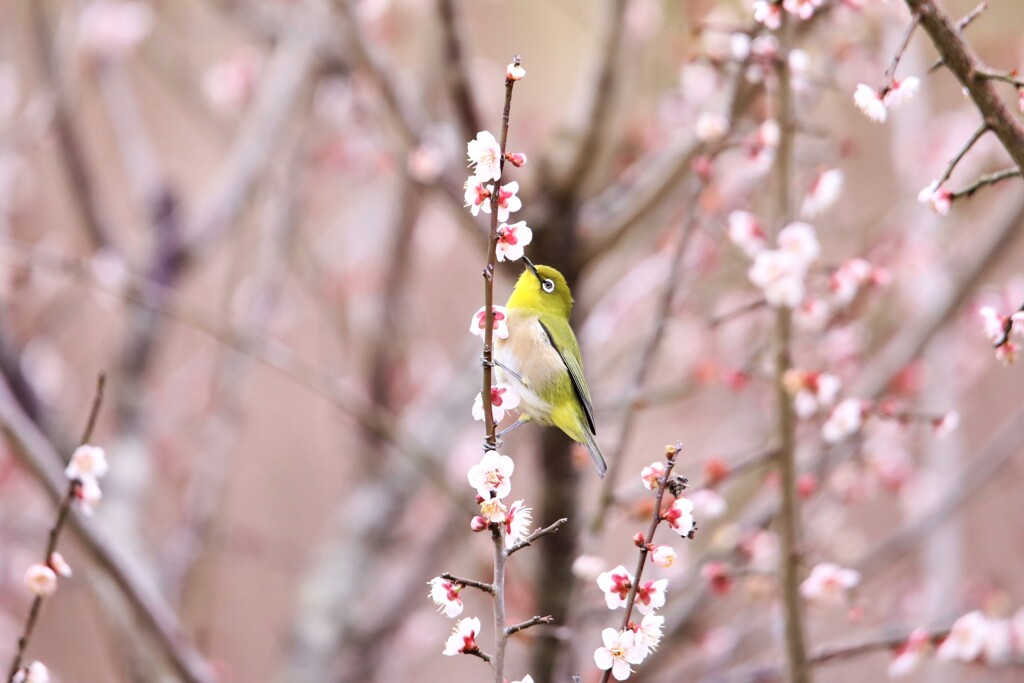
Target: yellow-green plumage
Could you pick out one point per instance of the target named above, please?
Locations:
(542, 350)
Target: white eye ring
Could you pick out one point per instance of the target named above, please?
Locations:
(548, 286)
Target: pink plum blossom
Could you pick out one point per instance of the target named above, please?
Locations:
(938, 198)
(823, 192)
(477, 195)
(829, 584)
(802, 8)
(446, 595)
(512, 238)
(503, 399)
(680, 516)
(768, 13)
(650, 595)
(517, 523)
(745, 232)
(87, 462)
(500, 322)
(463, 637)
(652, 474)
(909, 657)
(901, 92)
(615, 585)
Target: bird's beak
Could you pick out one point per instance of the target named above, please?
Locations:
(533, 268)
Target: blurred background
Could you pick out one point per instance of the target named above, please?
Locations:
(248, 214)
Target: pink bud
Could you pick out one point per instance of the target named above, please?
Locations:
(478, 524)
(638, 539)
(517, 159)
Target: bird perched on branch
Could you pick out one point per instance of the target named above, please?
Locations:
(541, 359)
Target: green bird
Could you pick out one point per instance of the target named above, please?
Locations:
(541, 359)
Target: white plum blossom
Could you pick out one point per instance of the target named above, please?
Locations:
(112, 29)
(59, 564)
(812, 314)
(909, 657)
(845, 420)
(485, 156)
(650, 595)
(780, 274)
(588, 567)
(652, 474)
(708, 504)
(493, 474)
(446, 595)
(811, 390)
(515, 72)
(517, 523)
(463, 637)
(41, 580)
(823, 193)
(938, 198)
(649, 632)
(946, 424)
(966, 639)
(503, 399)
(802, 8)
(868, 101)
(231, 82)
(526, 679)
(36, 672)
(739, 46)
(800, 240)
(499, 324)
(768, 13)
(493, 511)
(901, 92)
(663, 556)
(846, 282)
(999, 642)
(619, 651)
(829, 584)
(711, 127)
(87, 462)
(615, 585)
(745, 232)
(88, 495)
(993, 324)
(680, 516)
(511, 240)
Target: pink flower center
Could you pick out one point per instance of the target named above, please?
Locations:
(620, 585)
(507, 236)
(644, 592)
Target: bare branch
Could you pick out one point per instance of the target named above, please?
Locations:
(532, 621)
(537, 535)
(479, 585)
(985, 181)
(975, 136)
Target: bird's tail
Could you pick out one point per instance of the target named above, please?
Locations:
(595, 453)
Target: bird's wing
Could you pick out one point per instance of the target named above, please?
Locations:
(571, 357)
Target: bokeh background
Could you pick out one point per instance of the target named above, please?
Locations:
(248, 215)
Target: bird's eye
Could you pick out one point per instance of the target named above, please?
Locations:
(548, 285)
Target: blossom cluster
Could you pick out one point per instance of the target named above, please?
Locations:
(781, 273)
(632, 644)
(1001, 330)
(974, 637)
(481, 193)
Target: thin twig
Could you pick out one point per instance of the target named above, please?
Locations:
(532, 621)
(789, 513)
(51, 546)
(740, 310)
(1010, 78)
(537, 535)
(670, 462)
(481, 654)
(985, 181)
(479, 585)
(890, 72)
(975, 136)
(497, 530)
(960, 26)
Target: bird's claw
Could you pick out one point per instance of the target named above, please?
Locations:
(498, 443)
(487, 363)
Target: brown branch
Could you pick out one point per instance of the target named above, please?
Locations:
(532, 621)
(789, 512)
(39, 456)
(601, 90)
(890, 72)
(975, 136)
(964, 64)
(51, 546)
(455, 70)
(479, 585)
(537, 535)
(964, 22)
(985, 181)
(481, 654)
(670, 462)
